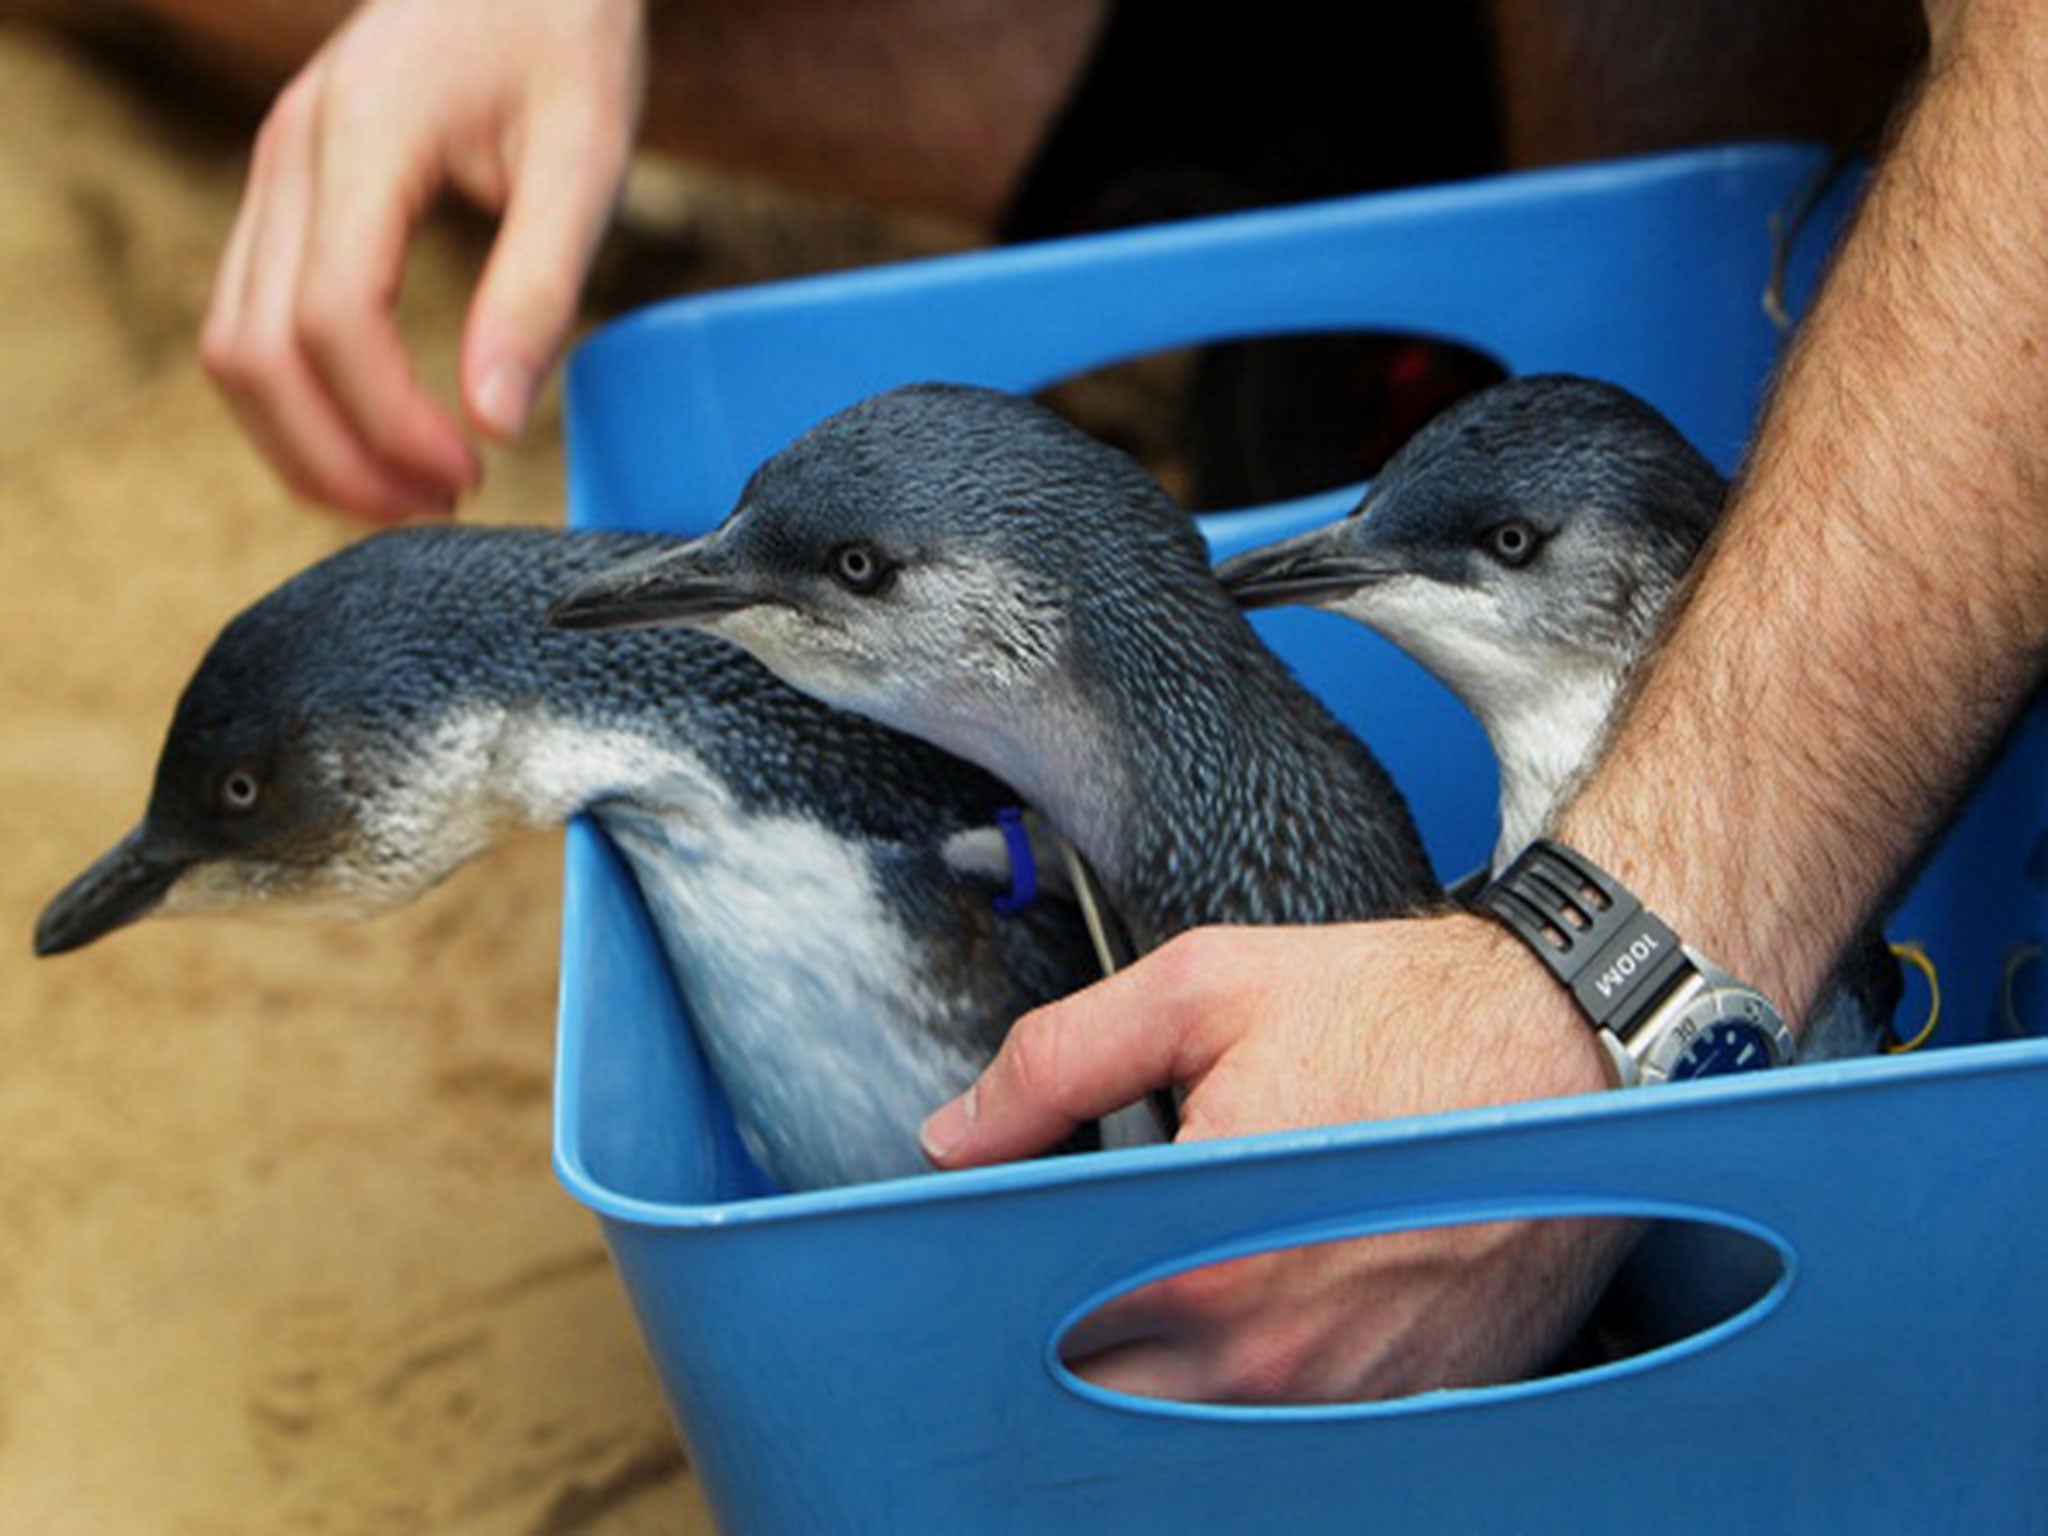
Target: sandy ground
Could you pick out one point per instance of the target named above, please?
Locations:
(280, 1247)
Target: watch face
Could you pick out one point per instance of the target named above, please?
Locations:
(1724, 1046)
(1716, 1029)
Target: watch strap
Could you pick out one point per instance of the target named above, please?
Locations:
(1615, 955)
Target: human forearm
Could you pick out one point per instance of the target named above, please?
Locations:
(1878, 603)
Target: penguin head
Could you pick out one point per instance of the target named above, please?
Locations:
(1534, 528)
(319, 758)
(921, 558)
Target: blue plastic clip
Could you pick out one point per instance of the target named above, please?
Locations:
(1023, 867)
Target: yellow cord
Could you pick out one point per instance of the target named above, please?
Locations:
(1914, 954)
(2016, 960)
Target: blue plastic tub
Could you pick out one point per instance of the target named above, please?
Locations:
(885, 1358)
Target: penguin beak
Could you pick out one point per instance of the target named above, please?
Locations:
(1311, 568)
(128, 882)
(687, 585)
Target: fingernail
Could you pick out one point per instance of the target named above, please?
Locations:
(948, 1125)
(501, 400)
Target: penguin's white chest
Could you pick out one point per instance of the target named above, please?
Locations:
(806, 988)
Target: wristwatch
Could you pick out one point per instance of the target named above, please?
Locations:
(1662, 1010)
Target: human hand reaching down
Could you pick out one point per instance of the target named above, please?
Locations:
(528, 108)
(1283, 1028)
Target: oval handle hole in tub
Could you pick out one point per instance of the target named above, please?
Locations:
(1691, 1280)
(1261, 419)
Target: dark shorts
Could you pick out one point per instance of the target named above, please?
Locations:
(1192, 109)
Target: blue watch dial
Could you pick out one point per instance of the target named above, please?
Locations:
(1722, 1047)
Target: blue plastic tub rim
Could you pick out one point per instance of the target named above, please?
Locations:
(1133, 1163)
(1254, 226)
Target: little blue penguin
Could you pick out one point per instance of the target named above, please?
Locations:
(1524, 546)
(964, 565)
(820, 884)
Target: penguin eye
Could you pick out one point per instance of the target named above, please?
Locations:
(237, 793)
(859, 568)
(1513, 542)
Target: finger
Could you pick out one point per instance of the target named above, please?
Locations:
(1074, 1061)
(230, 345)
(290, 415)
(227, 308)
(272, 389)
(374, 172)
(561, 200)
(297, 432)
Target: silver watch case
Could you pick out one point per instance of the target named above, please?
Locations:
(1687, 1018)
